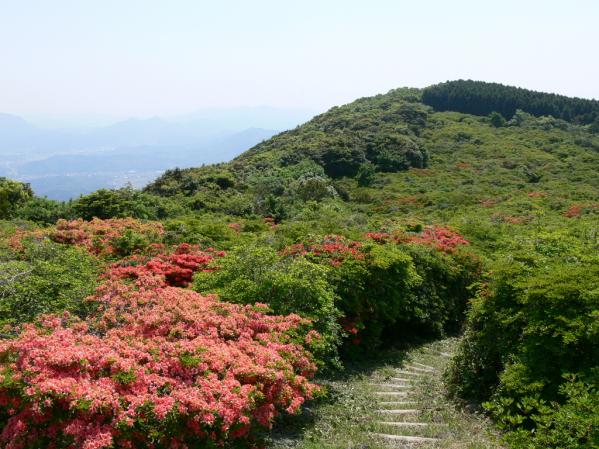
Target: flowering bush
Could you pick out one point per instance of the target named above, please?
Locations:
(489, 202)
(107, 237)
(577, 210)
(175, 269)
(537, 194)
(333, 249)
(440, 237)
(157, 367)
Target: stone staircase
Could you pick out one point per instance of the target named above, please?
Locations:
(403, 417)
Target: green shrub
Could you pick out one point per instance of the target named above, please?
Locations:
(46, 278)
(497, 120)
(43, 211)
(366, 175)
(124, 202)
(376, 292)
(531, 328)
(12, 195)
(256, 273)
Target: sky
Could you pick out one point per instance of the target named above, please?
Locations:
(169, 57)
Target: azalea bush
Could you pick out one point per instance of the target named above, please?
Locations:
(177, 268)
(107, 238)
(440, 237)
(157, 366)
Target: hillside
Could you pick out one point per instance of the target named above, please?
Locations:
(391, 154)
(377, 224)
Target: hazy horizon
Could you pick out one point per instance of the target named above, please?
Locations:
(150, 58)
(90, 121)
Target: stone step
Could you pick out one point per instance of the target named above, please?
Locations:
(406, 411)
(411, 373)
(403, 424)
(405, 438)
(391, 393)
(445, 354)
(400, 379)
(398, 403)
(422, 365)
(392, 386)
(420, 370)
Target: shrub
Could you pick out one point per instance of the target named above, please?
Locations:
(107, 238)
(176, 268)
(532, 326)
(251, 273)
(366, 175)
(375, 291)
(12, 195)
(497, 120)
(124, 202)
(43, 211)
(46, 278)
(406, 285)
(158, 367)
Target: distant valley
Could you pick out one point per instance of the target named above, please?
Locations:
(63, 164)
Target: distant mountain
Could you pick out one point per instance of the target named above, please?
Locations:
(64, 176)
(17, 136)
(64, 163)
(22, 139)
(153, 131)
(13, 125)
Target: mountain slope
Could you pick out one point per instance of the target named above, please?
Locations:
(391, 153)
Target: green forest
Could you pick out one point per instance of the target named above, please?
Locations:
(203, 309)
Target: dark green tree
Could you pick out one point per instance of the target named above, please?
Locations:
(12, 195)
(496, 119)
(366, 175)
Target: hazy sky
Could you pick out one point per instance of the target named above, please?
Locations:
(128, 57)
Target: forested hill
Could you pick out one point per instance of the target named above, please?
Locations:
(481, 98)
(392, 133)
(382, 132)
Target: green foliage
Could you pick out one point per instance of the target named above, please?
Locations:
(366, 175)
(45, 278)
(532, 327)
(496, 119)
(256, 273)
(376, 291)
(43, 211)
(128, 243)
(12, 195)
(212, 230)
(399, 293)
(480, 98)
(124, 202)
(573, 422)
